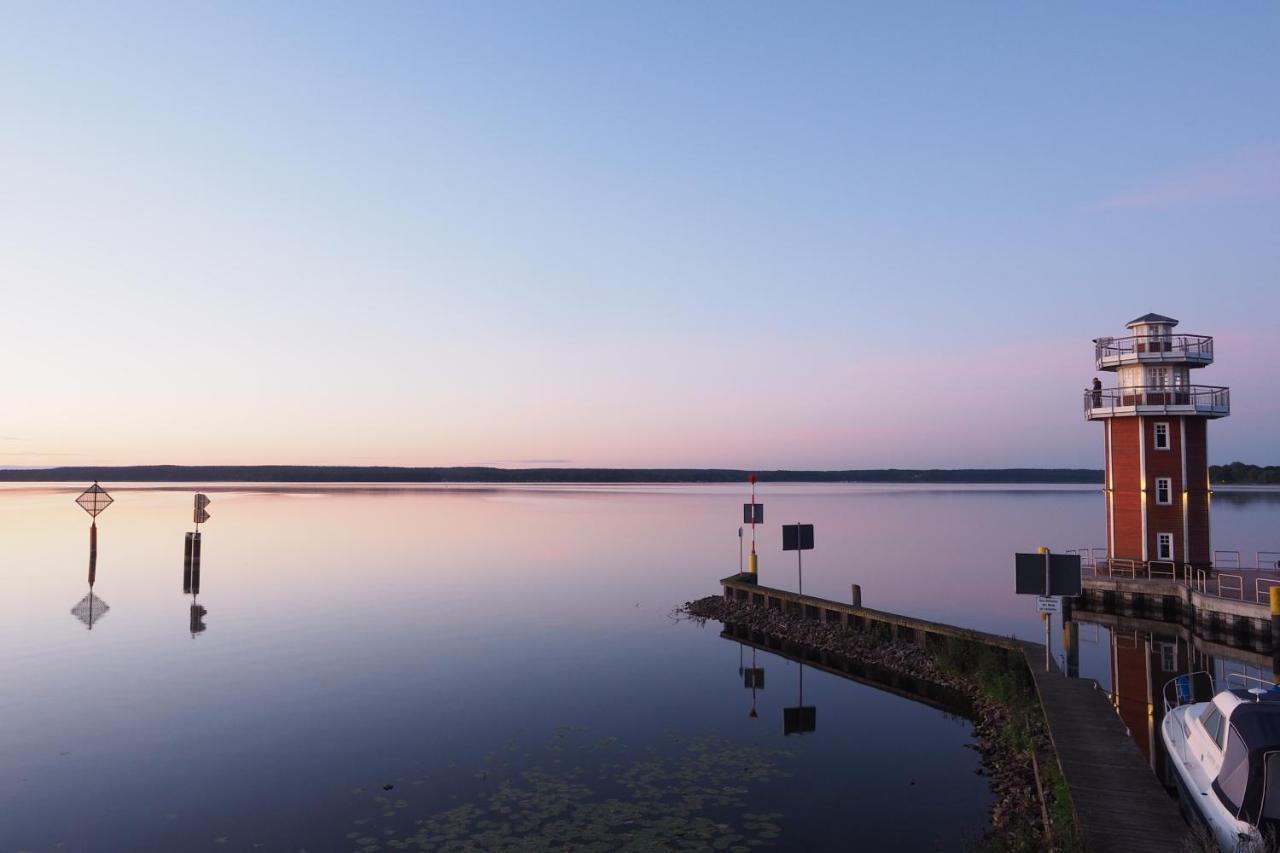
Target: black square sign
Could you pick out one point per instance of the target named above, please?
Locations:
(797, 537)
(753, 513)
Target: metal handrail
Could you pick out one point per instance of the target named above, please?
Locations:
(1206, 398)
(1239, 580)
(1233, 557)
(1192, 347)
(1168, 569)
(1245, 679)
(1120, 564)
(1257, 587)
(1272, 557)
(1187, 695)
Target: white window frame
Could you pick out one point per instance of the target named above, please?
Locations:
(1168, 657)
(1168, 491)
(1163, 554)
(1155, 436)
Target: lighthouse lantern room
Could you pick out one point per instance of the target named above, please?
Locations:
(1155, 429)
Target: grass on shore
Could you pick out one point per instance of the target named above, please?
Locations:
(1001, 677)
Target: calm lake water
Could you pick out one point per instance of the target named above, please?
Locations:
(503, 658)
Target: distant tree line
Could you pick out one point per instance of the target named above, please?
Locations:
(375, 474)
(1245, 475)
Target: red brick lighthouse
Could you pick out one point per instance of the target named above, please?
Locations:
(1155, 426)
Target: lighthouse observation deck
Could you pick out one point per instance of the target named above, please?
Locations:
(1207, 401)
(1187, 350)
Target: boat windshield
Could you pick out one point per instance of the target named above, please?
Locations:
(1271, 796)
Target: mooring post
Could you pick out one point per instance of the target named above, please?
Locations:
(857, 594)
(1275, 633)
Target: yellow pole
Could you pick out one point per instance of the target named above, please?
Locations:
(1275, 634)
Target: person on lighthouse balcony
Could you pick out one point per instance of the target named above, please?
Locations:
(1097, 392)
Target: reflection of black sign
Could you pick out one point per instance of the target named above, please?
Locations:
(799, 720)
(753, 513)
(198, 612)
(1064, 574)
(753, 679)
(797, 537)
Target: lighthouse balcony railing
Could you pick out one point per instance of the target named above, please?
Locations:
(1135, 349)
(1157, 400)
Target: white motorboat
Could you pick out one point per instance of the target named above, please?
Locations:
(1225, 753)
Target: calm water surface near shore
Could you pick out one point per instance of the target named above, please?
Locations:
(503, 658)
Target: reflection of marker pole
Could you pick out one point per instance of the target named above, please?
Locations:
(754, 565)
(753, 715)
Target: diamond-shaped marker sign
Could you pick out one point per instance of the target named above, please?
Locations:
(94, 500)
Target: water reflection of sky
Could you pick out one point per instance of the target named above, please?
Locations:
(356, 637)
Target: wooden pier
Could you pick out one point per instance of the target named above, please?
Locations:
(1119, 804)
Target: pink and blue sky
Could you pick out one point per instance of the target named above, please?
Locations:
(625, 234)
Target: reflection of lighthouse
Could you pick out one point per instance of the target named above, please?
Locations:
(1157, 482)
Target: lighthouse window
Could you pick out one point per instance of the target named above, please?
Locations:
(1164, 490)
(1162, 436)
(1164, 546)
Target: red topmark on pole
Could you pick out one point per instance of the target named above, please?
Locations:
(751, 478)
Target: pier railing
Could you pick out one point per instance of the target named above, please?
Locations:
(1156, 400)
(1109, 352)
(1226, 579)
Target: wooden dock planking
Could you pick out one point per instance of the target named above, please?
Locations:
(1119, 804)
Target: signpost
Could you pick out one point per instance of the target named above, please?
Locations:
(94, 500)
(798, 538)
(1048, 577)
(753, 514)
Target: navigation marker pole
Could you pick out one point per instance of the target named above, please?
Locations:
(754, 565)
(1048, 617)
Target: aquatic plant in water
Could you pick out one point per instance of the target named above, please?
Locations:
(693, 799)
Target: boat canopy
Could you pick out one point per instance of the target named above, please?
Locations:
(1249, 782)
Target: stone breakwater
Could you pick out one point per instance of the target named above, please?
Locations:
(1015, 816)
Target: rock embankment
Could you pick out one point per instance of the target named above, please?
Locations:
(1000, 732)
